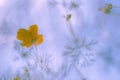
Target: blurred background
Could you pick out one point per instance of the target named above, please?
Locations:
(81, 42)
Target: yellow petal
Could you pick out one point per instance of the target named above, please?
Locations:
(39, 39)
(16, 78)
(26, 44)
(25, 36)
(33, 29)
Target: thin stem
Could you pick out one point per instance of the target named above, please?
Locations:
(72, 32)
(76, 43)
(28, 75)
(78, 71)
(37, 57)
(39, 62)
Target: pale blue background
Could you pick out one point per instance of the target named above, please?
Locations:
(87, 22)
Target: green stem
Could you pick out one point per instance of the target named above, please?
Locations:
(72, 33)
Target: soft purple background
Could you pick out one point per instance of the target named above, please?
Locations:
(87, 22)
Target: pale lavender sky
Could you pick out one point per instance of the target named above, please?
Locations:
(87, 22)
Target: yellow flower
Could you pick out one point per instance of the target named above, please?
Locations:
(16, 78)
(107, 9)
(30, 36)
